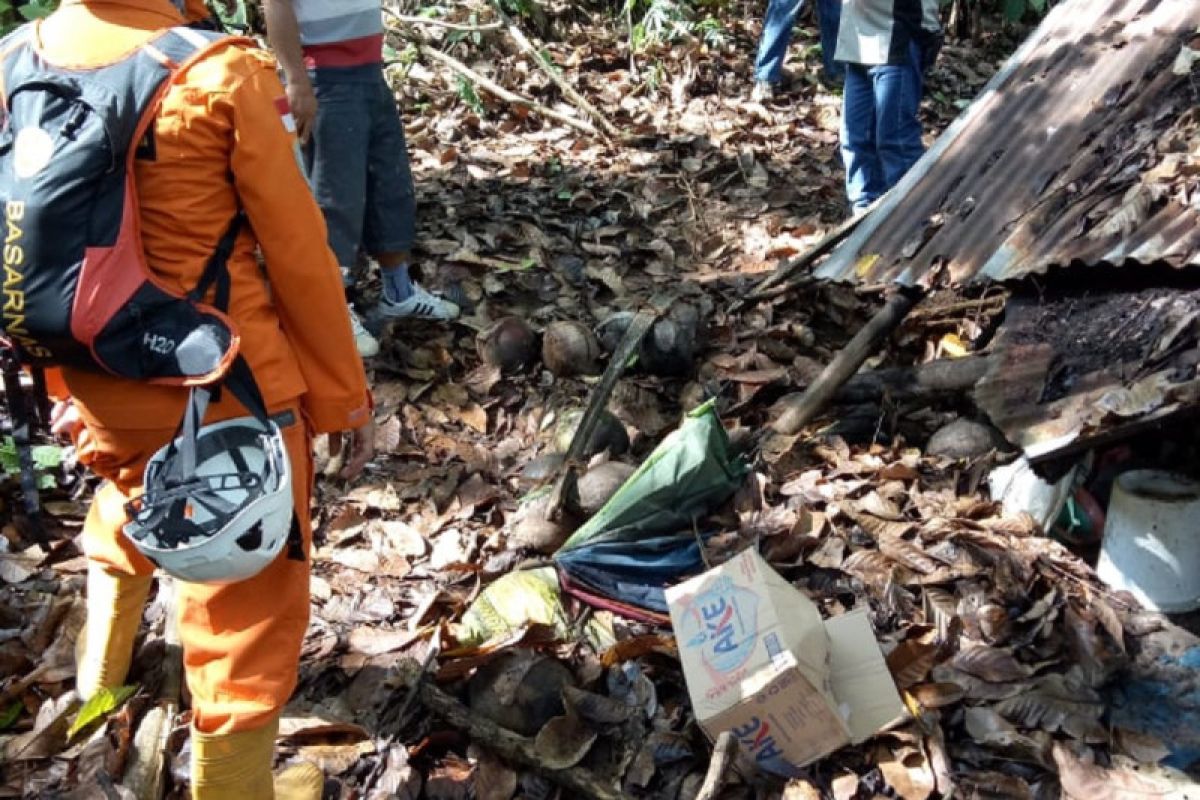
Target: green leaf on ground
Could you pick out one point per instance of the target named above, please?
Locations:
(99, 706)
(10, 715)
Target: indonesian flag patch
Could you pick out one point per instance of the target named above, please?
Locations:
(285, 113)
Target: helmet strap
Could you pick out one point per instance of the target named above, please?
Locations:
(184, 467)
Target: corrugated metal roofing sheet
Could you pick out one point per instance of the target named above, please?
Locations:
(1091, 365)
(1085, 147)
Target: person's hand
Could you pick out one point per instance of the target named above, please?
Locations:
(66, 423)
(303, 103)
(362, 447)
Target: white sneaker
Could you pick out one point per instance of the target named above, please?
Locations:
(419, 305)
(762, 92)
(367, 345)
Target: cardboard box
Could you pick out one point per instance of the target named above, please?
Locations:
(759, 661)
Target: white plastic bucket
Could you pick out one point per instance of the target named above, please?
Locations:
(1152, 540)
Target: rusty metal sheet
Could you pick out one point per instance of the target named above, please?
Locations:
(1084, 149)
(1068, 373)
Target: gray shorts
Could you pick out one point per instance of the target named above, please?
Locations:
(357, 164)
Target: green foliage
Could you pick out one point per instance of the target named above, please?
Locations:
(15, 12)
(467, 94)
(712, 32)
(1011, 11)
(655, 75)
(658, 22)
(519, 8)
(1014, 10)
(101, 704)
(236, 18)
(10, 715)
(474, 37)
(46, 457)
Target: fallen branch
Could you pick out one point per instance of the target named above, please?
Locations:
(782, 278)
(553, 74)
(993, 302)
(427, 665)
(506, 744)
(565, 486)
(724, 753)
(18, 688)
(802, 410)
(926, 381)
(504, 94)
(441, 23)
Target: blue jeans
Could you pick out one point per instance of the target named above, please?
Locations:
(881, 134)
(777, 34)
(357, 164)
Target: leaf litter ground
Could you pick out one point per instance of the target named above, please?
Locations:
(1002, 641)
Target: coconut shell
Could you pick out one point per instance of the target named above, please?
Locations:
(520, 690)
(570, 348)
(531, 530)
(541, 469)
(964, 439)
(609, 434)
(669, 348)
(600, 483)
(611, 331)
(508, 344)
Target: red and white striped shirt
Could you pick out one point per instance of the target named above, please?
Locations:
(340, 33)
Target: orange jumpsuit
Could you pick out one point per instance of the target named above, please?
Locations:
(195, 10)
(221, 144)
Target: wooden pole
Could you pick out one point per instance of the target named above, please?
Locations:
(782, 277)
(514, 30)
(504, 94)
(724, 753)
(565, 488)
(578, 782)
(799, 412)
(926, 381)
(434, 22)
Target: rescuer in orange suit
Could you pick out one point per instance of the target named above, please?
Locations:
(220, 144)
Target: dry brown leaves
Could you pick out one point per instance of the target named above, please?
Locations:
(536, 220)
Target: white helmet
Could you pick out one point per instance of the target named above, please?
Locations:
(217, 506)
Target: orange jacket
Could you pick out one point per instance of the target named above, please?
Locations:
(196, 10)
(221, 142)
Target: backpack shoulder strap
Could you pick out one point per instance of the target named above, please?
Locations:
(10, 46)
(19, 37)
(177, 47)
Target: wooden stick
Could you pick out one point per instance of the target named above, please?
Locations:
(553, 74)
(724, 754)
(504, 94)
(508, 745)
(802, 410)
(941, 377)
(779, 280)
(17, 688)
(427, 665)
(433, 22)
(994, 302)
(565, 487)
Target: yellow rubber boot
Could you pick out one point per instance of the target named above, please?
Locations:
(233, 766)
(104, 649)
(237, 766)
(302, 781)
